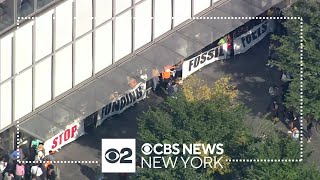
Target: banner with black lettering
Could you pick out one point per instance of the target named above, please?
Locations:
(244, 42)
(194, 64)
(123, 102)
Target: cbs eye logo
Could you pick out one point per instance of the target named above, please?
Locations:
(113, 155)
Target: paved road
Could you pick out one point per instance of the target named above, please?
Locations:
(248, 72)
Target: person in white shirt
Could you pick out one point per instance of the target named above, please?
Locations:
(295, 134)
(3, 165)
(36, 170)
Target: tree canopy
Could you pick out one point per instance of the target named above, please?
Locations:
(288, 55)
(213, 115)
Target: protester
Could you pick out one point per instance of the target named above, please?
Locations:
(3, 165)
(39, 156)
(276, 93)
(51, 173)
(15, 155)
(36, 171)
(309, 126)
(178, 69)
(113, 96)
(8, 176)
(41, 148)
(172, 89)
(155, 78)
(131, 82)
(166, 73)
(143, 75)
(35, 144)
(295, 133)
(292, 116)
(275, 112)
(20, 171)
(271, 53)
(49, 159)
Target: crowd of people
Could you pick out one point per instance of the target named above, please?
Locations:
(279, 111)
(41, 168)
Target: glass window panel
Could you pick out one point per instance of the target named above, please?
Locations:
(83, 16)
(63, 71)
(240, 8)
(138, 66)
(6, 14)
(118, 80)
(200, 32)
(200, 5)
(103, 47)
(23, 52)
(143, 23)
(83, 59)
(182, 11)
(103, 11)
(159, 55)
(64, 24)
(42, 3)
(59, 114)
(41, 127)
(6, 104)
(162, 17)
(81, 102)
(6, 57)
(181, 44)
(100, 92)
(25, 7)
(44, 35)
(43, 82)
(123, 35)
(221, 26)
(122, 5)
(23, 94)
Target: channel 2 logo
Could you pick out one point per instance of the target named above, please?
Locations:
(118, 155)
(113, 155)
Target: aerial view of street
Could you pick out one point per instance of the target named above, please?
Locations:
(150, 89)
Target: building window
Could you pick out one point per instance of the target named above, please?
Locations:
(25, 7)
(6, 14)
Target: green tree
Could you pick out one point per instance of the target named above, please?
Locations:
(213, 115)
(201, 114)
(288, 55)
(277, 147)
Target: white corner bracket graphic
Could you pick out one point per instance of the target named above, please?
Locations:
(19, 19)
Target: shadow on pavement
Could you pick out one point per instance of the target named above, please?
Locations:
(87, 171)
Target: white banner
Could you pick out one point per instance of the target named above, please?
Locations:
(123, 102)
(71, 133)
(244, 42)
(192, 65)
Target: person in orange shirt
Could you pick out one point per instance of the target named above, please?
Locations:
(49, 158)
(166, 73)
(165, 76)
